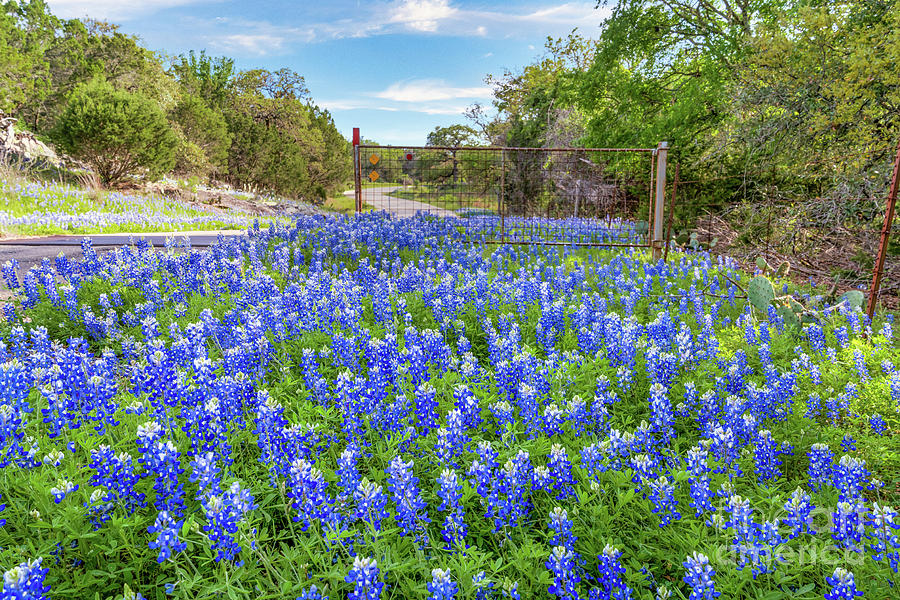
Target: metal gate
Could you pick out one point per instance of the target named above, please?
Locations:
(572, 196)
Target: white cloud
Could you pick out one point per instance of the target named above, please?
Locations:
(428, 17)
(429, 90)
(111, 10)
(256, 44)
(421, 15)
(426, 96)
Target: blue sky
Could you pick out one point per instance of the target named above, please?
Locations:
(394, 68)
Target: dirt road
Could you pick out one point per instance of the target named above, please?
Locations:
(381, 199)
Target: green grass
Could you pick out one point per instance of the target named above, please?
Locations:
(31, 209)
(608, 510)
(345, 205)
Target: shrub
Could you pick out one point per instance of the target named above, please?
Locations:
(118, 133)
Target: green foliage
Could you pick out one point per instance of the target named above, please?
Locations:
(764, 100)
(205, 137)
(118, 133)
(255, 128)
(760, 292)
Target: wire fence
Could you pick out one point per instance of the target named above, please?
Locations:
(831, 241)
(583, 196)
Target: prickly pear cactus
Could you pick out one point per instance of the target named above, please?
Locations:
(854, 298)
(761, 293)
(791, 319)
(762, 264)
(783, 269)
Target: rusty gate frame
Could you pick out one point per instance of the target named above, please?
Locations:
(657, 186)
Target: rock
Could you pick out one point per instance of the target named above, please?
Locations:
(22, 145)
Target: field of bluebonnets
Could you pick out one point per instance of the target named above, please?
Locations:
(41, 208)
(373, 408)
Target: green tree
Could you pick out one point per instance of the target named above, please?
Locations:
(209, 78)
(452, 137)
(118, 133)
(26, 31)
(205, 139)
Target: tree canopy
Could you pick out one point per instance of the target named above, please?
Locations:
(257, 128)
(803, 94)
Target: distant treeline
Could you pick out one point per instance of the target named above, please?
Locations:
(760, 99)
(104, 99)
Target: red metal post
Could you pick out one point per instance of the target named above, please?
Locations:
(357, 180)
(885, 236)
(672, 211)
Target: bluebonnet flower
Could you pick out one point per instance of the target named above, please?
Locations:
(813, 407)
(662, 494)
(205, 473)
(611, 584)
(848, 525)
(511, 590)
(313, 593)
(848, 444)
(699, 575)
(884, 522)
(484, 589)
(309, 491)
(561, 472)
(510, 499)
(799, 510)
(565, 574)
(452, 440)
(878, 425)
(426, 407)
(562, 529)
(766, 452)
(2, 508)
(348, 472)
(698, 469)
(553, 420)
(861, 368)
(850, 477)
(820, 465)
(661, 411)
(642, 465)
(843, 587)
(503, 413)
(746, 542)
(25, 582)
(442, 587)
(63, 488)
(404, 487)
(166, 529)
(450, 492)
(223, 514)
(370, 503)
(363, 576)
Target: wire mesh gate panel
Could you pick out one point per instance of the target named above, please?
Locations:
(588, 196)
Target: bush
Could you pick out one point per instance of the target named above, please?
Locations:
(206, 139)
(118, 133)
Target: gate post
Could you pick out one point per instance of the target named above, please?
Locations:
(878, 271)
(659, 201)
(357, 183)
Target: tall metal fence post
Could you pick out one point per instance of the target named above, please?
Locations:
(357, 180)
(672, 211)
(502, 207)
(885, 236)
(660, 199)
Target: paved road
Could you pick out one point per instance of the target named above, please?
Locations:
(30, 251)
(381, 199)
